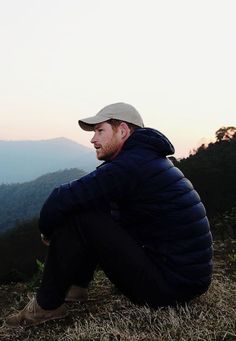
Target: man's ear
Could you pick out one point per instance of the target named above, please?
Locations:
(125, 130)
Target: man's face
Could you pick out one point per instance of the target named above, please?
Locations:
(106, 141)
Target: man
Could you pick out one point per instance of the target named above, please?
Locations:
(136, 216)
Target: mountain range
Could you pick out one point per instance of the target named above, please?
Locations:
(23, 161)
(23, 201)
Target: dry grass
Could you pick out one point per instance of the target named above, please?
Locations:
(108, 316)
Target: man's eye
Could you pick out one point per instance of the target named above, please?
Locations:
(100, 130)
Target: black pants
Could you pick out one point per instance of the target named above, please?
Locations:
(94, 238)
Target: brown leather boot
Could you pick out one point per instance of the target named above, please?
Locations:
(77, 294)
(33, 314)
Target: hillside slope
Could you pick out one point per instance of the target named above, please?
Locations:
(23, 201)
(108, 315)
(212, 171)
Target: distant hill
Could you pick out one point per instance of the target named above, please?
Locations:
(21, 202)
(26, 160)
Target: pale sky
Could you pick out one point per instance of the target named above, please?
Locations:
(62, 60)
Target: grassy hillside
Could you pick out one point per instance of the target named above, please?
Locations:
(109, 316)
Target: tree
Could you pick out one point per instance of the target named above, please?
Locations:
(212, 171)
(225, 133)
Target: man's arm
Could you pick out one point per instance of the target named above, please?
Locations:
(109, 182)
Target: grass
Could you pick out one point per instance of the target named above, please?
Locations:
(109, 316)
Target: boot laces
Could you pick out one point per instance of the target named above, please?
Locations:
(32, 307)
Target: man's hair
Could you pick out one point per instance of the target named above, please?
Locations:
(115, 123)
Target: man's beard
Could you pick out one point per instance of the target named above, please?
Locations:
(108, 151)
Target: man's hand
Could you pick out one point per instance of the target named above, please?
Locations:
(45, 240)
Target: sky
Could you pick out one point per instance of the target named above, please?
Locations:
(63, 60)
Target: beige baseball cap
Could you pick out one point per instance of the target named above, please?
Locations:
(118, 111)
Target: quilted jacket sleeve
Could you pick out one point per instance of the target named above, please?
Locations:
(109, 182)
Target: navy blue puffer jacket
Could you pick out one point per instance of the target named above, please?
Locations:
(153, 201)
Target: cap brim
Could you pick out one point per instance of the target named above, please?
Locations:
(85, 126)
(88, 123)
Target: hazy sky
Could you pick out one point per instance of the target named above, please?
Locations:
(61, 60)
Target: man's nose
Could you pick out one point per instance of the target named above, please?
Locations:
(93, 139)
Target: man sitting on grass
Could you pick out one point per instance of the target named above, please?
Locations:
(136, 216)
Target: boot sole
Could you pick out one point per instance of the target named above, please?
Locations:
(36, 323)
